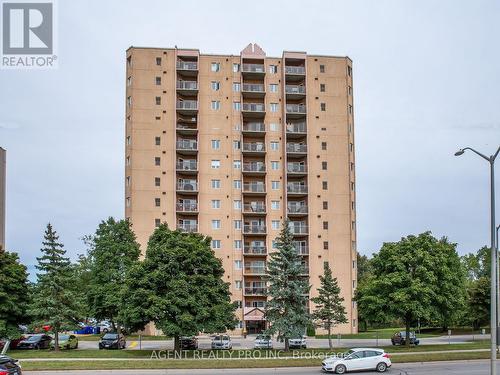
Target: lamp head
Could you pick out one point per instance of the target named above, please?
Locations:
(459, 152)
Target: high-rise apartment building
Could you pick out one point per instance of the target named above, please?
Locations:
(230, 146)
(3, 168)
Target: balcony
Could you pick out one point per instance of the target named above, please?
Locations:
(254, 270)
(304, 269)
(189, 228)
(255, 188)
(296, 149)
(253, 70)
(187, 68)
(254, 229)
(187, 128)
(253, 109)
(295, 91)
(294, 73)
(254, 208)
(254, 148)
(253, 90)
(296, 129)
(254, 168)
(187, 107)
(187, 207)
(295, 110)
(254, 128)
(186, 147)
(297, 209)
(187, 166)
(187, 186)
(296, 188)
(254, 250)
(298, 229)
(301, 248)
(296, 168)
(187, 87)
(255, 291)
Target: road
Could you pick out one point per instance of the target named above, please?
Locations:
(479, 367)
(247, 343)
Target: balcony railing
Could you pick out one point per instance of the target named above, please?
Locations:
(295, 89)
(187, 85)
(187, 104)
(299, 229)
(187, 206)
(297, 208)
(302, 249)
(296, 188)
(186, 127)
(254, 127)
(191, 165)
(255, 291)
(187, 65)
(254, 187)
(296, 168)
(187, 145)
(254, 167)
(296, 147)
(255, 270)
(298, 127)
(254, 250)
(254, 107)
(187, 186)
(253, 87)
(253, 207)
(254, 147)
(253, 68)
(296, 108)
(187, 227)
(295, 70)
(254, 229)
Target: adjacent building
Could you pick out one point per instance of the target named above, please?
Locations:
(230, 146)
(3, 177)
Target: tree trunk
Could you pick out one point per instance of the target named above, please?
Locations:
(177, 344)
(407, 339)
(330, 337)
(287, 345)
(56, 338)
(113, 325)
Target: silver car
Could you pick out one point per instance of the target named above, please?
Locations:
(297, 343)
(221, 342)
(263, 342)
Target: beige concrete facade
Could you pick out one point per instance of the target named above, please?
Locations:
(231, 145)
(3, 177)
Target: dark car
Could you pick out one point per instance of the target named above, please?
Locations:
(399, 338)
(112, 341)
(40, 341)
(188, 343)
(9, 366)
(13, 343)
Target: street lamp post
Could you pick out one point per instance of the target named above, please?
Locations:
(493, 292)
(498, 279)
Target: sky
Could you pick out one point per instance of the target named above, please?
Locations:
(426, 82)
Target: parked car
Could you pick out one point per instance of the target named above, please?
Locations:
(9, 366)
(221, 342)
(358, 359)
(38, 341)
(399, 338)
(189, 343)
(297, 343)
(104, 326)
(66, 342)
(263, 342)
(13, 343)
(112, 341)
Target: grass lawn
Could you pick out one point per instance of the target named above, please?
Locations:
(129, 338)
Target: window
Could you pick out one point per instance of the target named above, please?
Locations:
(158, 61)
(324, 165)
(129, 61)
(158, 100)
(237, 264)
(215, 224)
(127, 181)
(236, 68)
(349, 70)
(275, 165)
(129, 101)
(236, 145)
(325, 185)
(127, 160)
(237, 284)
(215, 184)
(237, 164)
(325, 245)
(353, 205)
(237, 204)
(274, 244)
(157, 141)
(127, 140)
(321, 68)
(351, 147)
(352, 166)
(157, 160)
(323, 146)
(215, 105)
(237, 244)
(274, 107)
(215, 203)
(157, 181)
(349, 90)
(237, 106)
(158, 81)
(323, 107)
(275, 224)
(325, 224)
(127, 202)
(322, 87)
(215, 164)
(215, 244)
(236, 86)
(273, 87)
(350, 109)
(273, 69)
(215, 85)
(274, 146)
(325, 205)
(237, 184)
(275, 185)
(157, 202)
(215, 144)
(129, 81)
(157, 223)
(215, 67)
(237, 127)
(237, 224)
(275, 205)
(352, 186)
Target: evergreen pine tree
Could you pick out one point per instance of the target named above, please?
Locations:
(330, 310)
(53, 300)
(286, 310)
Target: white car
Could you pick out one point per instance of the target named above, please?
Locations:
(358, 359)
(297, 343)
(263, 342)
(221, 342)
